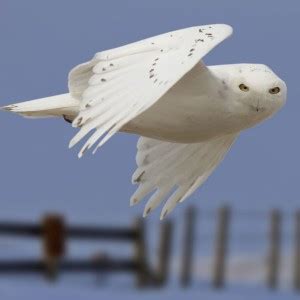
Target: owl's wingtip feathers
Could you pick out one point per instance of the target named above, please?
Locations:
(224, 28)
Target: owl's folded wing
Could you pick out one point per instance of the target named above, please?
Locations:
(119, 84)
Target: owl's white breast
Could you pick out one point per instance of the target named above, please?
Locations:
(194, 110)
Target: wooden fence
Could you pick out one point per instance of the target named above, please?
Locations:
(222, 239)
(54, 234)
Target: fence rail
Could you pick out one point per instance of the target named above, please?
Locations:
(74, 232)
(30, 266)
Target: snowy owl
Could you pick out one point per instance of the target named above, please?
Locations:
(187, 114)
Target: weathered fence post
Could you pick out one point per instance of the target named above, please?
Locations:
(274, 249)
(188, 245)
(140, 254)
(221, 245)
(53, 229)
(297, 252)
(164, 254)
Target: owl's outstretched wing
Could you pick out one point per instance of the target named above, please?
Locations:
(179, 168)
(119, 84)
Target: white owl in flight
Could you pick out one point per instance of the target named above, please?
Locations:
(188, 114)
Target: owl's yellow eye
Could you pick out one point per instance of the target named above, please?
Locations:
(243, 87)
(274, 90)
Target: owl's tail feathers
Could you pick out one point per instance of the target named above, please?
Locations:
(54, 106)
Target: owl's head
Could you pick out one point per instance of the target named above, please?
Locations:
(257, 92)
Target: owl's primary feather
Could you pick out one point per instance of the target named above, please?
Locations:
(164, 166)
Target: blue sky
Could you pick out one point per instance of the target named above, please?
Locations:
(42, 40)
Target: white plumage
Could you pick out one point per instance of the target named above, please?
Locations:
(188, 114)
(163, 166)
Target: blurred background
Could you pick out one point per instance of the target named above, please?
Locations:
(254, 192)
